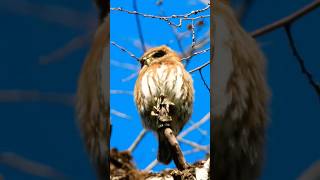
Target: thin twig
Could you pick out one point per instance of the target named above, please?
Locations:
(125, 65)
(141, 135)
(151, 165)
(32, 95)
(302, 65)
(168, 18)
(74, 44)
(125, 50)
(196, 53)
(192, 151)
(199, 67)
(193, 35)
(201, 131)
(112, 91)
(195, 126)
(287, 20)
(120, 114)
(130, 77)
(194, 144)
(31, 167)
(203, 80)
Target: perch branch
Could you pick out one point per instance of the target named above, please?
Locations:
(178, 157)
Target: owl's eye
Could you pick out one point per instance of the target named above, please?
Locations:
(159, 54)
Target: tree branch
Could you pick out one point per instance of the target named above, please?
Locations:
(287, 20)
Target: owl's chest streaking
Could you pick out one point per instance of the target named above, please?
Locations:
(170, 79)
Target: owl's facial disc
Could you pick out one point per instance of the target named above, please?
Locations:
(146, 60)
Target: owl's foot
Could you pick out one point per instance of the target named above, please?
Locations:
(161, 110)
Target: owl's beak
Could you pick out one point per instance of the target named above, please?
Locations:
(144, 61)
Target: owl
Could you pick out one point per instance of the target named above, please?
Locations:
(163, 77)
(240, 99)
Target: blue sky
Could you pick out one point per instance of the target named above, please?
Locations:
(47, 132)
(156, 32)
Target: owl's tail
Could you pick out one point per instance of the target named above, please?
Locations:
(164, 149)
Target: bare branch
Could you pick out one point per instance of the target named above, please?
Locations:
(24, 95)
(125, 50)
(203, 80)
(133, 75)
(151, 165)
(200, 67)
(139, 26)
(120, 114)
(201, 131)
(138, 140)
(125, 65)
(195, 126)
(50, 13)
(287, 20)
(302, 65)
(196, 53)
(168, 19)
(73, 45)
(31, 167)
(112, 91)
(194, 144)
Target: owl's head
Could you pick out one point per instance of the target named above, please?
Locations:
(158, 54)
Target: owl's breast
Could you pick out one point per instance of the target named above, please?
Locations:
(168, 79)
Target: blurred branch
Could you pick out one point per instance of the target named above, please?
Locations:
(120, 114)
(23, 95)
(125, 65)
(50, 13)
(112, 91)
(195, 126)
(139, 26)
(31, 167)
(73, 45)
(194, 144)
(201, 131)
(151, 165)
(286, 20)
(131, 76)
(141, 135)
(302, 65)
(312, 173)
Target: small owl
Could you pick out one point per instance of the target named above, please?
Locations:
(163, 77)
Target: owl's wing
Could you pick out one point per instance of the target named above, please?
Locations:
(92, 101)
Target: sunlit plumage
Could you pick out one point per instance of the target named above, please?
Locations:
(162, 73)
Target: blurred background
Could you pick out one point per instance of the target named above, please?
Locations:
(43, 45)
